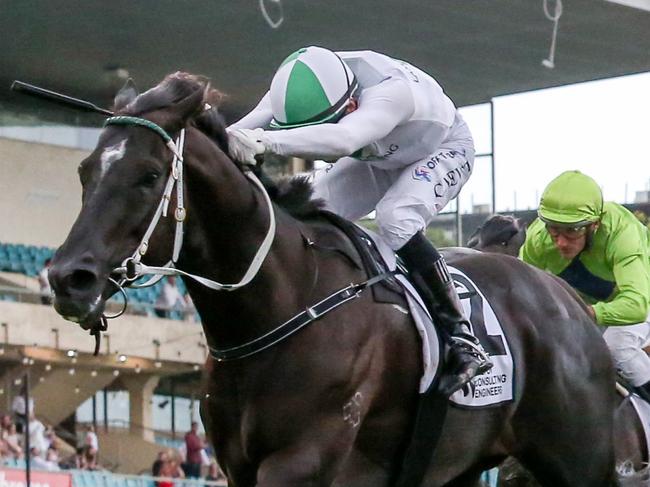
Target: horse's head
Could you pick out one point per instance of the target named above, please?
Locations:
(123, 181)
(501, 234)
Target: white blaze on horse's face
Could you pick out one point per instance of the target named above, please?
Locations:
(111, 154)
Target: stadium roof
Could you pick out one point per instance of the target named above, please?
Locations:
(477, 49)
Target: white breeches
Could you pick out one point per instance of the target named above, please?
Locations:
(406, 199)
(626, 345)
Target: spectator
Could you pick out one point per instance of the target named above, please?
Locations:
(18, 409)
(90, 440)
(50, 436)
(52, 455)
(77, 461)
(37, 435)
(44, 283)
(189, 311)
(193, 446)
(169, 298)
(90, 459)
(5, 422)
(4, 449)
(214, 472)
(12, 441)
(156, 468)
(40, 463)
(168, 468)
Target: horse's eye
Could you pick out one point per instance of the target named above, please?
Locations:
(149, 179)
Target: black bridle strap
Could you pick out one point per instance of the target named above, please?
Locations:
(299, 321)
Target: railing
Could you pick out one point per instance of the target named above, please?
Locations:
(18, 294)
(88, 478)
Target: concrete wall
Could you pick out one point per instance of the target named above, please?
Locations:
(31, 325)
(40, 194)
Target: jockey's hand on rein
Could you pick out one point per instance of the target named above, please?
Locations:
(245, 144)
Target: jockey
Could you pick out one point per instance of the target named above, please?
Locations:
(603, 252)
(396, 144)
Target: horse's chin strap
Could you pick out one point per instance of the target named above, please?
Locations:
(132, 268)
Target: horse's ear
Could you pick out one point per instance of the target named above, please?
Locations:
(126, 95)
(193, 103)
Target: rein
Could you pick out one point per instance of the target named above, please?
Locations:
(132, 267)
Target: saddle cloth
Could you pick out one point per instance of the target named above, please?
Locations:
(490, 389)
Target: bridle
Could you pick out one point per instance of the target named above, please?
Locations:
(132, 267)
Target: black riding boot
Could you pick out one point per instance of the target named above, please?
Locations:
(643, 391)
(467, 358)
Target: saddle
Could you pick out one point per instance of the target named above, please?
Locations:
(366, 257)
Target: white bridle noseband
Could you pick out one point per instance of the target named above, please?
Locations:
(132, 268)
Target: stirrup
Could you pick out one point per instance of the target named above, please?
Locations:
(476, 350)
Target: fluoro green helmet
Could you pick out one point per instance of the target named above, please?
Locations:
(312, 86)
(572, 199)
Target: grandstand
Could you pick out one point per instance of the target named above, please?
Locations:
(147, 359)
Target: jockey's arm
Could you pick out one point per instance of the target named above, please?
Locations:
(258, 117)
(631, 303)
(381, 108)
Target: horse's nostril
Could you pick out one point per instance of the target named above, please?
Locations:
(82, 279)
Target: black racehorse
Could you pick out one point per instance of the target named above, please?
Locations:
(505, 234)
(501, 234)
(332, 404)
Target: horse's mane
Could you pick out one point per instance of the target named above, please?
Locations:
(294, 194)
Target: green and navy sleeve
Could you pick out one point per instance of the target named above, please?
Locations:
(630, 267)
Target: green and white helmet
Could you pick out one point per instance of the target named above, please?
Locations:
(313, 85)
(572, 199)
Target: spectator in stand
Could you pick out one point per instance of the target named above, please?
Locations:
(169, 298)
(168, 468)
(37, 435)
(90, 459)
(50, 437)
(44, 283)
(193, 447)
(90, 440)
(214, 472)
(39, 463)
(18, 409)
(12, 441)
(162, 457)
(189, 311)
(52, 456)
(77, 461)
(4, 450)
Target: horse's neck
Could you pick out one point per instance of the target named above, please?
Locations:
(224, 231)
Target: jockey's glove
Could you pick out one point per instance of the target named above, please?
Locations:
(245, 144)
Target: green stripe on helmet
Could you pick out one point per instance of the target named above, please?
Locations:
(305, 97)
(293, 56)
